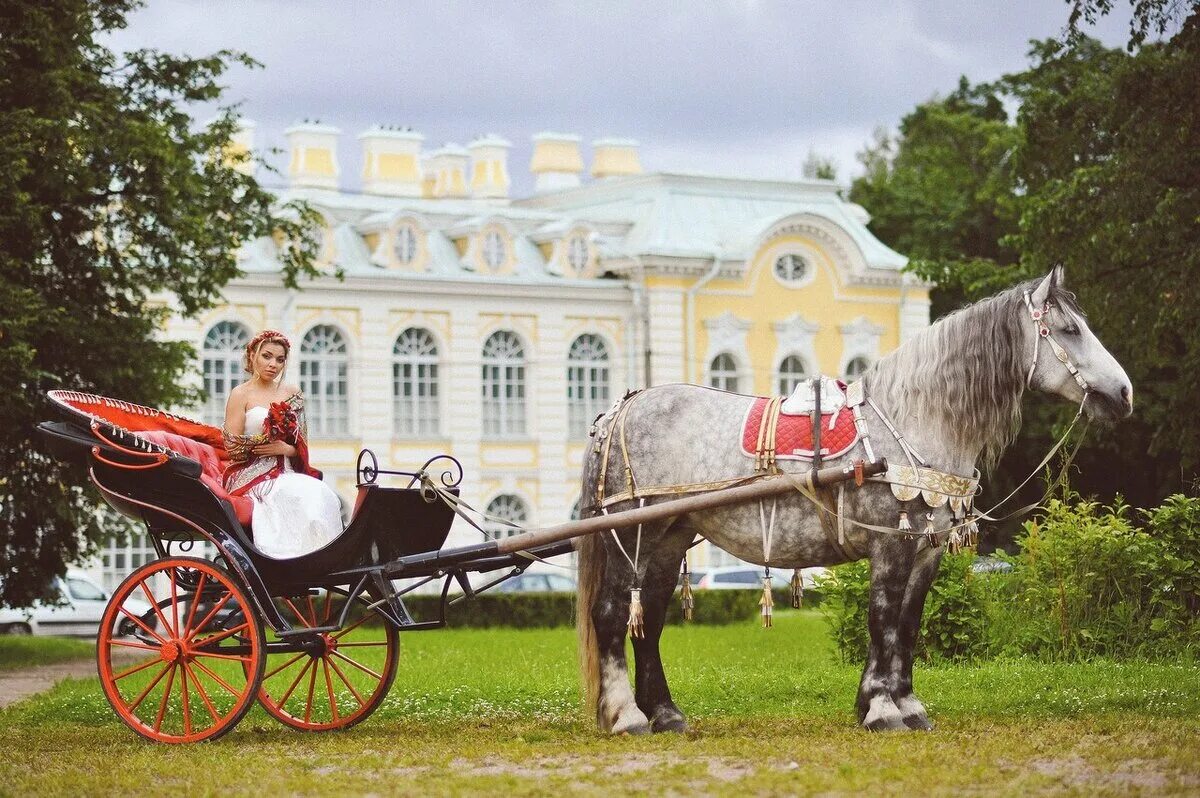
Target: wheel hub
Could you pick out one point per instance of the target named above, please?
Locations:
(174, 651)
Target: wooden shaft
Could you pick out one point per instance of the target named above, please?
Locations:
(763, 488)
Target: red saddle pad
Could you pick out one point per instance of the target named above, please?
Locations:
(793, 435)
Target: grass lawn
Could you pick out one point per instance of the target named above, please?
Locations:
(24, 652)
(496, 712)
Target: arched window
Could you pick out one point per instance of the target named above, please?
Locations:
(791, 372)
(722, 372)
(503, 385)
(415, 384)
(587, 383)
(323, 366)
(221, 358)
(505, 507)
(856, 368)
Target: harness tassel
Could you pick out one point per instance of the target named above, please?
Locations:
(797, 589)
(930, 533)
(905, 527)
(636, 629)
(972, 531)
(685, 594)
(954, 542)
(767, 602)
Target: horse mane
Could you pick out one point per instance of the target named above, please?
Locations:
(965, 373)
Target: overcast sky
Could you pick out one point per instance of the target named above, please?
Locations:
(743, 88)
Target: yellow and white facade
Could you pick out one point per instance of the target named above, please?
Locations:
(494, 328)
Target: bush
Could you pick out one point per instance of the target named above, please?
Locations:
(1087, 581)
(952, 628)
(534, 610)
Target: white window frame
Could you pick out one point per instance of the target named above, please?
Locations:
(786, 381)
(503, 386)
(120, 556)
(858, 372)
(792, 269)
(495, 249)
(406, 244)
(222, 367)
(722, 378)
(510, 507)
(416, 410)
(588, 383)
(579, 253)
(324, 379)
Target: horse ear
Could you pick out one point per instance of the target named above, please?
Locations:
(1046, 286)
(1060, 275)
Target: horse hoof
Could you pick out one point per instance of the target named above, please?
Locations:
(883, 716)
(918, 723)
(631, 729)
(670, 723)
(631, 721)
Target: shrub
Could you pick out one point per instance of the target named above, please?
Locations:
(533, 610)
(952, 628)
(1089, 582)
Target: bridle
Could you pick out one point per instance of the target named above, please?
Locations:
(1038, 315)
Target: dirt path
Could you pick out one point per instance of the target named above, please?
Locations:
(17, 685)
(21, 683)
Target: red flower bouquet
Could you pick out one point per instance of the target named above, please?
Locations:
(281, 423)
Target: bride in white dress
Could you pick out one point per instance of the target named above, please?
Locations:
(295, 512)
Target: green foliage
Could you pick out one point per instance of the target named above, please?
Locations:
(546, 610)
(28, 652)
(113, 197)
(1090, 582)
(953, 627)
(1099, 170)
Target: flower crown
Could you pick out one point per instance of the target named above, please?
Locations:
(266, 336)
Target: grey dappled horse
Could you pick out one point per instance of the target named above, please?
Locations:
(954, 391)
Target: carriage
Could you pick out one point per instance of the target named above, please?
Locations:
(313, 639)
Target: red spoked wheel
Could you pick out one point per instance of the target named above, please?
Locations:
(193, 664)
(329, 680)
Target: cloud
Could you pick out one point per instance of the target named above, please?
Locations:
(738, 86)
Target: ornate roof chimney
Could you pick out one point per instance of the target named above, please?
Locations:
(489, 167)
(615, 158)
(313, 161)
(391, 161)
(556, 162)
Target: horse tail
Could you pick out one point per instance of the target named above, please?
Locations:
(591, 571)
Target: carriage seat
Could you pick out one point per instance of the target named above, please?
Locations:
(211, 469)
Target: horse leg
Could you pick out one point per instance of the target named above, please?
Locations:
(658, 585)
(617, 710)
(891, 564)
(923, 572)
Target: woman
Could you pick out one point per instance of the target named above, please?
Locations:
(265, 436)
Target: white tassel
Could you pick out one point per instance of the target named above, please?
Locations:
(767, 602)
(797, 589)
(636, 629)
(686, 600)
(930, 533)
(905, 527)
(954, 542)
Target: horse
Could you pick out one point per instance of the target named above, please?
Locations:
(953, 396)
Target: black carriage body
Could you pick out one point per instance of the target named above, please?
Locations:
(164, 490)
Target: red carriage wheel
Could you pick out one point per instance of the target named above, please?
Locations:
(192, 665)
(329, 680)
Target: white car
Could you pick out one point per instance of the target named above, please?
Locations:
(743, 577)
(79, 616)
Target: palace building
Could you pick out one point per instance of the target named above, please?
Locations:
(495, 328)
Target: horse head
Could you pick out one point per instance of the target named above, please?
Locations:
(1068, 358)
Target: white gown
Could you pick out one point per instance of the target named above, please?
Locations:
(294, 514)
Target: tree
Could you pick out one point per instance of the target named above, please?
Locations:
(1099, 171)
(111, 195)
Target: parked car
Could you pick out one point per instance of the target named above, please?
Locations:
(743, 577)
(78, 616)
(538, 583)
(990, 565)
